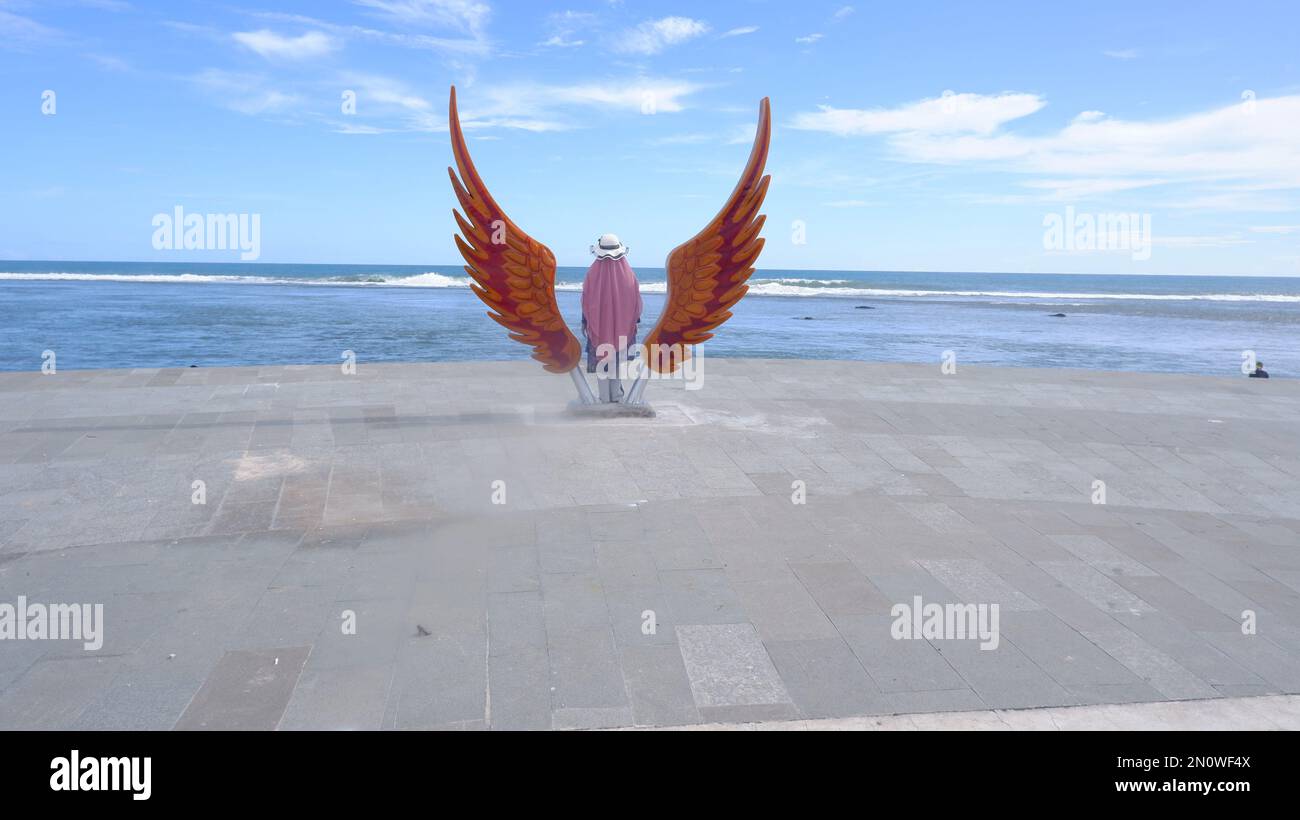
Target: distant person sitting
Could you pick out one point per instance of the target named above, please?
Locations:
(1260, 372)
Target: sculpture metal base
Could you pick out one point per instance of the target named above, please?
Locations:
(611, 410)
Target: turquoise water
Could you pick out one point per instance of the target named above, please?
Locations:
(119, 314)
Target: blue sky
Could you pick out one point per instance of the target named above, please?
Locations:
(908, 136)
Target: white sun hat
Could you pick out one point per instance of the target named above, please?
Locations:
(608, 247)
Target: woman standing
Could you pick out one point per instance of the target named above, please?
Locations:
(611, 311)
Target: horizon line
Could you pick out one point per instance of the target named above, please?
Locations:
(757, 270)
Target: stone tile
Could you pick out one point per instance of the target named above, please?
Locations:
(840, 588)
(371, 493)
(52, 694)
(439, 681)
(896, 665)
(519, 689)
(1190, 649)
(1095, 552)
(585, 671)
(824, 677)
(348, 698)
(1096, 588)
(972, 582)
(1261, 656)
(782, 610)
(248, 690)
(1161, 672)
(727, 665)
(1062, 652)
(658, 686)
(701, 597)
(1002, 676)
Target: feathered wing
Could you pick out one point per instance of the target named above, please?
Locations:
(513, 273)
(706, 276)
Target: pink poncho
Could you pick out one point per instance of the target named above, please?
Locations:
(611, 303)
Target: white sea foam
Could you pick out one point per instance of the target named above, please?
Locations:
(787, 286)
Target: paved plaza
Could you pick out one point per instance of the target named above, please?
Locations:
(442, 546)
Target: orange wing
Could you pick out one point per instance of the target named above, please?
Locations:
(513, 273)
(706, 276)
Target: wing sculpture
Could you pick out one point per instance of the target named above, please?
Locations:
(706, 276)
(513, 273)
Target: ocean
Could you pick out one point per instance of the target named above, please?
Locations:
(148, 314)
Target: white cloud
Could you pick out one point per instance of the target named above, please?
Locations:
(949, 114)
(653, 36)
(359, 128)
(629, 95)
(736, 32)
(467, 15)
(274, 46)
(1122, 54)
(844, 11)
(1240, 157)
(109, 62)
(739, 135)
(17, 32)
(1068, 190)
(808, 39)
(475, 46)
(558, 41)
(245, 93)
(541, 107)
(384, 92)
(567, 28)
(1229, 143)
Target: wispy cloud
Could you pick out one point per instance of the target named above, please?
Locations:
(737, 32)
(245, 93)
(109, 62)
(842, 12)
(475, 45)
(470, 16)
(809, 39)
(1237, 157)
(949, 114)
(740, 135)
(1122, 54)
(384, 92)
(20, 33)
(278, 47)
(567, 29)
(388, 106)
(1069, 190)
(653, 36)
(536, 106)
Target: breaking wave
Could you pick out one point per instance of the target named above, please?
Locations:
(785, 286)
